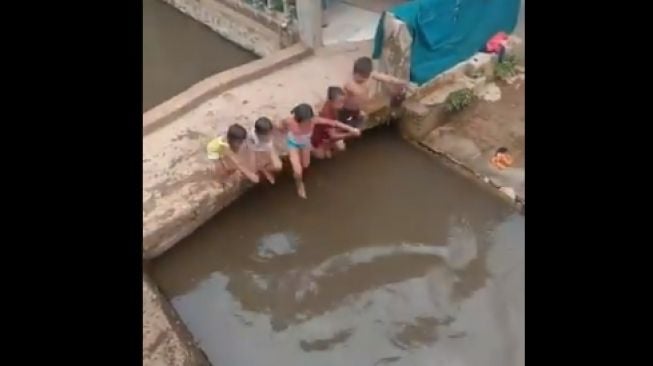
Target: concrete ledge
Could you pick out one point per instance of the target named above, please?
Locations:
(180, 192)
(426, 127)
(271, 19)
(188, 217)
(201, 200)
(210, 87)
(425, 115)
(486, 184)
(165, 339)
(231, 24)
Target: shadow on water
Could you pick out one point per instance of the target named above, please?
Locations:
(179, 52)
(393, 259)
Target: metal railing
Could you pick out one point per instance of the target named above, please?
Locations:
(286, 7)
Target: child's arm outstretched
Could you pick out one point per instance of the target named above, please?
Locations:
(282, 125)
(242, 168)
(337, 124)
(385, 78)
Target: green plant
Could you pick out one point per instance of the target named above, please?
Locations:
(506, 68)
(459, 100)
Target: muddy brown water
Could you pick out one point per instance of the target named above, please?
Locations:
(393, 260)
(179, 52)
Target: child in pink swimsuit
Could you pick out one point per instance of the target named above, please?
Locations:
(299, 129)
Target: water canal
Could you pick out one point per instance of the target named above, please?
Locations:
(179, 52)
(394, 259)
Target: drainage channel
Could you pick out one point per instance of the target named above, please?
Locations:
(179, 52)
(393, 259)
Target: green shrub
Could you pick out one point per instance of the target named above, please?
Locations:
(459, 99)
(506, 68)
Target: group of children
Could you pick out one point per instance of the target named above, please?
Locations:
(305, 133)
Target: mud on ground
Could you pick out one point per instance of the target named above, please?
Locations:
(472, 135)
(494, 124)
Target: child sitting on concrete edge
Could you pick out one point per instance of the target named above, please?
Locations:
(229, 154)
(299, 130)
(328, 139)
(266, 159)
(357, 91)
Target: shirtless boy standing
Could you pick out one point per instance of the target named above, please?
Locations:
(357, 91)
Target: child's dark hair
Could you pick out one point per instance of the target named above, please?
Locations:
(502, 150)
(333, 92)
(363, 67)
(303, 112)
(263, 126)
(236, 133)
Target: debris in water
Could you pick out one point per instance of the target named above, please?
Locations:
(277, 244)
(509, 192)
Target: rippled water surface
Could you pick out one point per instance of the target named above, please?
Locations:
(392, 260)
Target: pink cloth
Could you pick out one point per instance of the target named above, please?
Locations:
(494, 44)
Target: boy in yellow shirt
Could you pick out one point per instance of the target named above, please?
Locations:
(228, 153)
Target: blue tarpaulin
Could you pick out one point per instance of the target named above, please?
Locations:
(446, 32)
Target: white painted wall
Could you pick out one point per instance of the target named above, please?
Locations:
(519, 29)
(309, 22)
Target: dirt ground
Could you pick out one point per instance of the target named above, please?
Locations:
(473, 135)
(494, 124)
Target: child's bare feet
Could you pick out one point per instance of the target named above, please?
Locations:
(268, 176)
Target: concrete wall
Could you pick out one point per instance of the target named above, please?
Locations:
(270, 18)
(309, 22)
(166, 341)
(183, 102)
(521, 31)
(232, 25)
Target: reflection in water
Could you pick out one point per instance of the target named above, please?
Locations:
(374, 269)
(277, 244)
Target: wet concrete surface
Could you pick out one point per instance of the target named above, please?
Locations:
(393, 260)
(179, 52)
